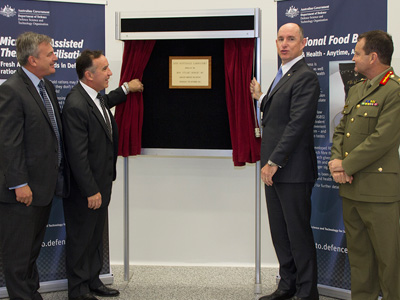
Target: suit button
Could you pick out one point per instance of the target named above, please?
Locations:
(358, 106)
(380, 169)
(352, 120)
(365, 114)
(348, 134)
(346, 153)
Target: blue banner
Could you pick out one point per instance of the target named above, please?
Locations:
(331, 29)
(73, 28)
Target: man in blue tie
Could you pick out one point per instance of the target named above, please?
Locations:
(289, 165)
(31, 162)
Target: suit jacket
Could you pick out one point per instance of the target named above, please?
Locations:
(367, 140)
(92, 155)
(29, 146)
(288, 118)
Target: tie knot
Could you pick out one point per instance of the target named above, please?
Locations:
(41, 84)
(100, 97)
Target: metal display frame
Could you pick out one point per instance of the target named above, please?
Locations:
(215, 34)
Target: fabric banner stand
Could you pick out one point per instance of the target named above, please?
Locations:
(54, 20)
(332, 29)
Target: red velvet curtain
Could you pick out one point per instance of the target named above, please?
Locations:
(238, 73)
(129, 115)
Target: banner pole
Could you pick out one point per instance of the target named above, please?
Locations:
(126, 219)
(257, 284)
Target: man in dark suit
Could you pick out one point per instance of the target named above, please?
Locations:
(289, 165)
(31, 162)
(91, 138)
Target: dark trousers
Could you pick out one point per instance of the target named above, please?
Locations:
(22, 230)
(84, 245)
(289, 213)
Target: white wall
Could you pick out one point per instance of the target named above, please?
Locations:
(186, 211)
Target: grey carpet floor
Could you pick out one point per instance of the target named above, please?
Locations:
(187, 283)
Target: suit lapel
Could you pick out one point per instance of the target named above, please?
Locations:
(281, 82)
(38, 99)
(285, 78)
(96, 111)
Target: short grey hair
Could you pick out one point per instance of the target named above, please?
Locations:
(27, 45)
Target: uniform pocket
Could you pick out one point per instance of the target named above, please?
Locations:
(379, 184)
(366, 119)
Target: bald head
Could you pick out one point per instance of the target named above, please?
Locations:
(290, 42)
(294, 27)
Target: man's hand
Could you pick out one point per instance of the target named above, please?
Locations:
(135, 86)
(24, 195)
(342, 177)
(335, 165)
(338, 173)
(255, 89)
(267, 172)
(94, 202)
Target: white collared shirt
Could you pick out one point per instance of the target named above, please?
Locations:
(93, 95)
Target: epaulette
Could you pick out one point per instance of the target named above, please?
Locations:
(362, 80)
(395, 78)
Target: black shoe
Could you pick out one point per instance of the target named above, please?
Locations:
(83, 297)
(37, 296)
(300, 298)
(278, 295)
(105, 291)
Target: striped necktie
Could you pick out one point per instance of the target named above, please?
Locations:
(52, 117)
(105, 114)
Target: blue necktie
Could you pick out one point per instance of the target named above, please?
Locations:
(276, 80)
(50, 112)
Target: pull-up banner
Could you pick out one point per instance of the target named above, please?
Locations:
(73, 28)
(331, 29)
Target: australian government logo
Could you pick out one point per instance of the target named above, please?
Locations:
(7, 11)
(292, 12)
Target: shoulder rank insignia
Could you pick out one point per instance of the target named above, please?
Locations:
(369, 103)
(386, 78)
